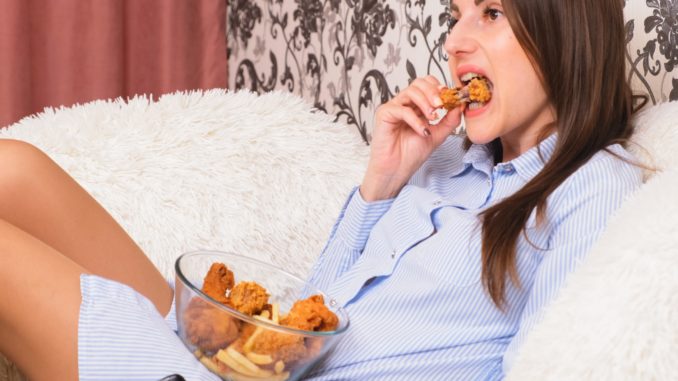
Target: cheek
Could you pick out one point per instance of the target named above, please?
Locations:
(518, 81)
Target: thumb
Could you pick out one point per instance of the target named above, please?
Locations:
(446, 125)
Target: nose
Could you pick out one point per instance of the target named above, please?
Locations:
(460, 40)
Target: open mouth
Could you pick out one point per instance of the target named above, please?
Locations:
(477, 89)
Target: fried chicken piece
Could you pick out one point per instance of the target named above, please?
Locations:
(478, 90)
(249, 298)
(314, 345)
(246, 330)
(451, 98)
(208, 327)
(280, 346)
(311, 314)
(217, 282)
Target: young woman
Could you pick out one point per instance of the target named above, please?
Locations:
(445, 256)
(450, 249)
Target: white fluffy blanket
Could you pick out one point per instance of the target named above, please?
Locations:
(263, 176)
(617, 317)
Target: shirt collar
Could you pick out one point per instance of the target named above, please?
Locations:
(527, 165)
(533, 160)
(480, 157)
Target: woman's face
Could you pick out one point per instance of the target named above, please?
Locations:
(483, 43)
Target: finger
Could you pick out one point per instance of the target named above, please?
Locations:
(446, 125)
(408, 115)
(418, 98)
(432, 80)
(431, 87)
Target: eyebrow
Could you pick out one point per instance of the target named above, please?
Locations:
(455, 8)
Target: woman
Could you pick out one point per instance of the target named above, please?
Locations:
(449, 250)
(445, 256)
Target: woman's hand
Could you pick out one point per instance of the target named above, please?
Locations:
(403, 137)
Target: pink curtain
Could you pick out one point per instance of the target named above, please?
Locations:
(63, 52)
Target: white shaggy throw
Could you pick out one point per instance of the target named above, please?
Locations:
(263, 176)
(617, 317)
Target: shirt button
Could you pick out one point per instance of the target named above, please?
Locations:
(393, 254)
(437, 202)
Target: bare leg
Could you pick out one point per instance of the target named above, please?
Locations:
(38, 197)
(39, 306)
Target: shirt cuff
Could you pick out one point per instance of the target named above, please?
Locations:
(358, 219)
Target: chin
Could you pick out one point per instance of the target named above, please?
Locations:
(479, 135)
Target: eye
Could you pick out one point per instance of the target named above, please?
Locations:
(492, 13)
(451, 22)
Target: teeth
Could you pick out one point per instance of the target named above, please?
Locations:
(469, 76)
(475, 105)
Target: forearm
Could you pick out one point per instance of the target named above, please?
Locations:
(348, 237)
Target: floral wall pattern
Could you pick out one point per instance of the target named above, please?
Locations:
(347, 57)
(652, 48)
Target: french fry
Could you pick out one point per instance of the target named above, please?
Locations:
(239, 377)
(275, 313)
(228, 360)
(279, 366)
(237, 356)
(209, 364)
(250, 340)
(241, 364)
(266, 319)
(259, 359)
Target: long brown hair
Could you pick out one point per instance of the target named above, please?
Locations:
(577, 47)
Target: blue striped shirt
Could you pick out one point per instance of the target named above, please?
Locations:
(408, 269)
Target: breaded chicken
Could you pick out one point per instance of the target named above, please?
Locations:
(311, 314)
(249, 298)
(208, 327)
(280, 346)
(451, 98)
(217, 282)
(477, 90)
(212, 329)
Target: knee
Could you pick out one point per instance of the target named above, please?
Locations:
(20, 164)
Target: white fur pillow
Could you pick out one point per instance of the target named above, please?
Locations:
(258, 175)
(617, 317)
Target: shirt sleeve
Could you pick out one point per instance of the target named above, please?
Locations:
(348, 238)
(593, 195)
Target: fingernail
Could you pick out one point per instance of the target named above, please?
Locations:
(437, 102)
(427, 132)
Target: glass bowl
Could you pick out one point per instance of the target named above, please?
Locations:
(237, 346)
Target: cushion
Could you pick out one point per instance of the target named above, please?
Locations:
(616, 317)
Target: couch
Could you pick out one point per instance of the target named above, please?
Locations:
(265, 175)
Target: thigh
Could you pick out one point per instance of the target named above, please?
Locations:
(37, 196)
(39, 306)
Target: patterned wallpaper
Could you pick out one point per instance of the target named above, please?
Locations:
(346, 57)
